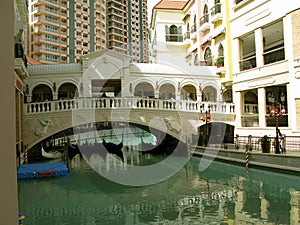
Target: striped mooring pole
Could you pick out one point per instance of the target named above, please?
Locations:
(247, 155)
(189, 150)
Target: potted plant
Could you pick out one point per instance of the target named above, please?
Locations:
(247, 65)
(265, 143)
(219, 61)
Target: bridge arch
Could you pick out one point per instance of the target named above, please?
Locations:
(71, 128)
(47, 118)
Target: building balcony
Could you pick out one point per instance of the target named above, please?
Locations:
(20, 66)
(194, 31)
(248, 63)
(204, 23)
(174, 38)
(220, 70)
(216, 13)
(266, 72)
(187, 39)
(20, 61)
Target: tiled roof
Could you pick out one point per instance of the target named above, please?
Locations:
(171, 4)
(32, 61)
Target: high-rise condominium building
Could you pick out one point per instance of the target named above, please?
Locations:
(127, 30)
(61, 31)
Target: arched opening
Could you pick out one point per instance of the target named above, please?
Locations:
(209, 93)
(173, 33)
(167, 91)
(250, 98)
(67, 91)
(188, 92)
(227, 96)
(221, 51)
(206, 14)
(144, 89)
(250, 107)
(207, 57)
(42, 92)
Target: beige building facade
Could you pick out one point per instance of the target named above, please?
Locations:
(265, 67)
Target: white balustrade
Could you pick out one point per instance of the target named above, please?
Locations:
(251, 108)
(128, 103)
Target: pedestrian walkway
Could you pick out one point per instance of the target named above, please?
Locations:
(286, 162)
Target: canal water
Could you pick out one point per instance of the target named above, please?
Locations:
(220, 194)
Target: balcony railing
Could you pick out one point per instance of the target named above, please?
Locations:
(216, 9)
(193, 28)
(248, 63)
(204, 19)
(19, 53)
(186, 36)
(174, 37)
(274, 55)
(250, 108)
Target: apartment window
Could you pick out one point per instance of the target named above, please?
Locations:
(173, 33)
(51, 58)
(51, 28)
(51, 19)
(273, 42)
(51, 9)
(50, 38)
(248, 52)
(51, 48)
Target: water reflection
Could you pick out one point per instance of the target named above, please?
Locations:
(222, 194)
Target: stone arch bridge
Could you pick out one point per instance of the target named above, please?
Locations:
(180, 119)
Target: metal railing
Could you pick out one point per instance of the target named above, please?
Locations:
(287, 144)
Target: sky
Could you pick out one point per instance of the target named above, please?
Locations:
(150, 5)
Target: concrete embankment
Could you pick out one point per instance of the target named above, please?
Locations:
(288, 162)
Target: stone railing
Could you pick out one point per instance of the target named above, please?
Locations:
(127, 103)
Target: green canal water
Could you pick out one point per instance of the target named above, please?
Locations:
(220, 194)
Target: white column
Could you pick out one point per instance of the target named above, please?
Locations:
(259, 47)
(293, 82)
(236, 55)
(261, 95)
(238, 108)
(29, 98)
(55, 96)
